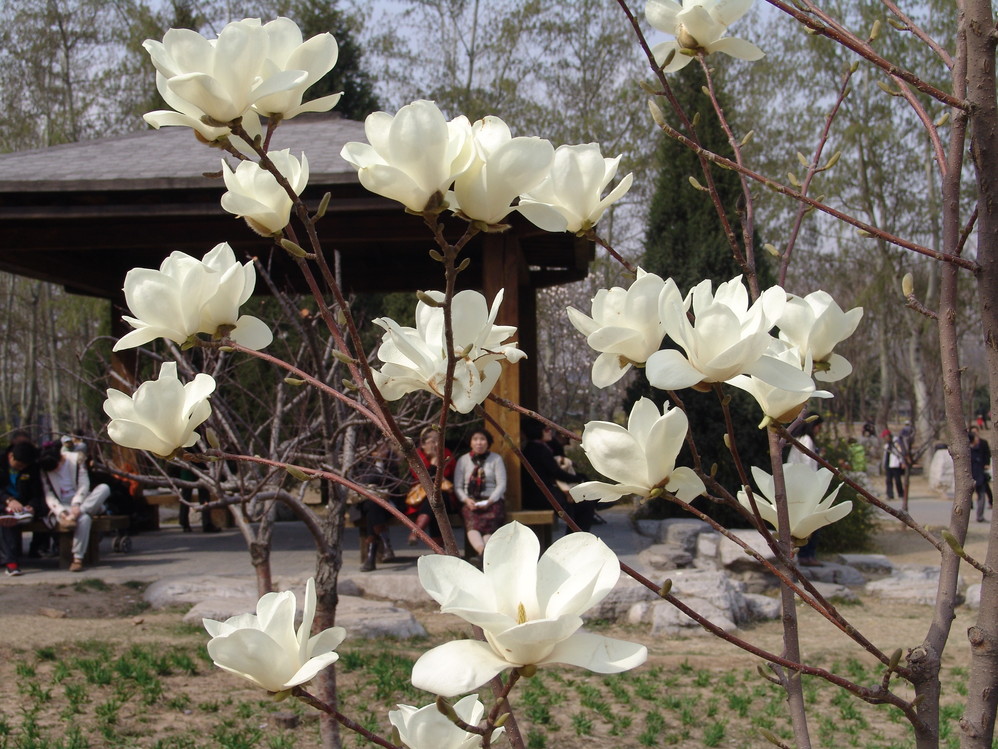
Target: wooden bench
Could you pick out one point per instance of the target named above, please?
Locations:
(220, 516)
(539, 521)
(102, 524)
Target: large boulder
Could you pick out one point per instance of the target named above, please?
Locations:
(909, 584)
(665, 557)
(974, 596)
(617, 604)
(872, 564)
(681, 532)
(391, 586)
(840, 574)
(735, 558)
(666, 619)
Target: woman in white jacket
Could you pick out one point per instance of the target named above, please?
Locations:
(69, 497)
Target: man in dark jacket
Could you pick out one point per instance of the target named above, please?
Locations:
(21, 500)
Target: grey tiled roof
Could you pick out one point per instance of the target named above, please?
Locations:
(170, 157)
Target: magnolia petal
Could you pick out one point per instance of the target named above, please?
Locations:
(546, 217)
(600, 491)
(780, 374)
(326, 641)
(614, 452)
(838, 369)
(670, 370)
(533, 641)
(252, 654)
(818, 520)
(679, 60)
(252, 332)
(453, 582)
(685, 484)
(510, 564)
(456, 667)
(729, 11)
(312, 667)
(738, 48)
(561, 588)
(604, 655)
(662, 15)
(138, 437)
(608, 369)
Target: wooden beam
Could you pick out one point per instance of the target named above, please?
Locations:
(503, 267)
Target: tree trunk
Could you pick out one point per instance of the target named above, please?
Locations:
(978, 24)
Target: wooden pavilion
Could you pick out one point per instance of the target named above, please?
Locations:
(81, 215)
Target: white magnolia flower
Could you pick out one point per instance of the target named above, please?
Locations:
(254, 194)
(529, 610)
(502, 168)
(570, 197)
(413, 155)
(265, 648)
(815, 324)
(416, 358)
(626, 326)
(185, 114)
(222, 77)
(778, 404)
(428, 728)
(641, 458)
(698, 25)
(287, 53)
(187, 296)
(807, 505)
(162, 414)
(728, 338)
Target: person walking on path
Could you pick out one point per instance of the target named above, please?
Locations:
(893, 464)
(980, 462)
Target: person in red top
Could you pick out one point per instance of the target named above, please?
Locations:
(432, 452)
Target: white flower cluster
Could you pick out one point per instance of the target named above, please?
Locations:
(720, 338)
(419, 159)
(530, 611)
(416, 358)
(250, 69)
(727, 340)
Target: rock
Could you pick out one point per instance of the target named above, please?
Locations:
(762, 607)
(833, 592)
(178, 591)
(682, 532)
(734, 557)
(52, 613)
(665, 557)
(909, 584)
(391, 586)
(718, 589)
(829, 572)
(618, 602)
(186, 590)
(360, 617)
(874, 564)
(666, 619)
(649, 529)
(973, 596)
(706, 551)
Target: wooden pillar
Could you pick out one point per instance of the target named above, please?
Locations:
(503, 267)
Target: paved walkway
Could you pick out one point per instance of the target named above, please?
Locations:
(169, 552)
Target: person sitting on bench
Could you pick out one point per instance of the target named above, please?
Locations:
(69, 497)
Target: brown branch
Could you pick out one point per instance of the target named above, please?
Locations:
(312, 700)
